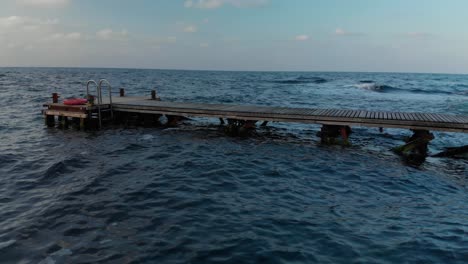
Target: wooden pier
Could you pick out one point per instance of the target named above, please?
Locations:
(341, 117)
(335, 122)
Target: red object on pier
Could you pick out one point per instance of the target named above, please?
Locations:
(75, 101)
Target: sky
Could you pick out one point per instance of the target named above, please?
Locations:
(257, 35)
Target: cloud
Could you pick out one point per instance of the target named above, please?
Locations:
(69, 36)
(301, 37)
(191, 29)
(204, 45)
(213, 4)
(28, 33)
(43, 3)
(25, 23)
(418, 35)
(163, 40)
(109, 34)
(342, 32)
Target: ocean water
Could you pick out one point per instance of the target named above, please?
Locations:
(190, 194)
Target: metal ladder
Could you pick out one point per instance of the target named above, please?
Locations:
(99, 97)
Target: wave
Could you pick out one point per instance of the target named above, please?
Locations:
(461, 85)
(302, 80)
(372, 86)
(382, 88)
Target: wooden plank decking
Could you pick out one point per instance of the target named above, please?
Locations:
(425, 121)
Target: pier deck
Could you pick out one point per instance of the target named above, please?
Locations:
(341, 117)
(423, 121)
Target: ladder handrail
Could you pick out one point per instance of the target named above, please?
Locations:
(99, 98)
(104, 81)
(87, 87)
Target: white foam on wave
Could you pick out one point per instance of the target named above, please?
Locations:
(370, 86)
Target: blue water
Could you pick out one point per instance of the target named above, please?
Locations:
(190, 194)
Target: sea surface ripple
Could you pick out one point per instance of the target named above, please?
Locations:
(192, 195)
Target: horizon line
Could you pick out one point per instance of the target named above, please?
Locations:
(218, 70)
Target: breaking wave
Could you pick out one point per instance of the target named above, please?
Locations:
(372, 86)
(302, 80)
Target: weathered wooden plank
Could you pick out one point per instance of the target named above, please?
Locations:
(444, 118)
(454, 119)
(408, 116)
(305, 115)
(65, 113)
(315, 112)
(320, 112)
(349, 113)
(362, 114)
(431, 117)
(436, 117)
(344, 113)
(334, 113)
(411, 116)
(327, 112)
(401, 116)
(381, 115)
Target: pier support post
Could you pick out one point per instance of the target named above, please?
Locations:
(173, 120)
(329, 134)
(64, 124)
(55, 98)
(240, 128)
(82, 123)
(150, 120)
(246, 126)
(154, 96)
(122, 92)
(416, 147)
(50, 120)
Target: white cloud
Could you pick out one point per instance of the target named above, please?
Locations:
(109, 34)
(191, 29)
(23, 33)
(212, 4)
(62, 36)
(417, 35)
(73, 36)
(301, 37)
(17, 23)
(44, 3)
(342, 32)
(163, 40)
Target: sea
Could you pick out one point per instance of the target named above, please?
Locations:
(191, 194)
